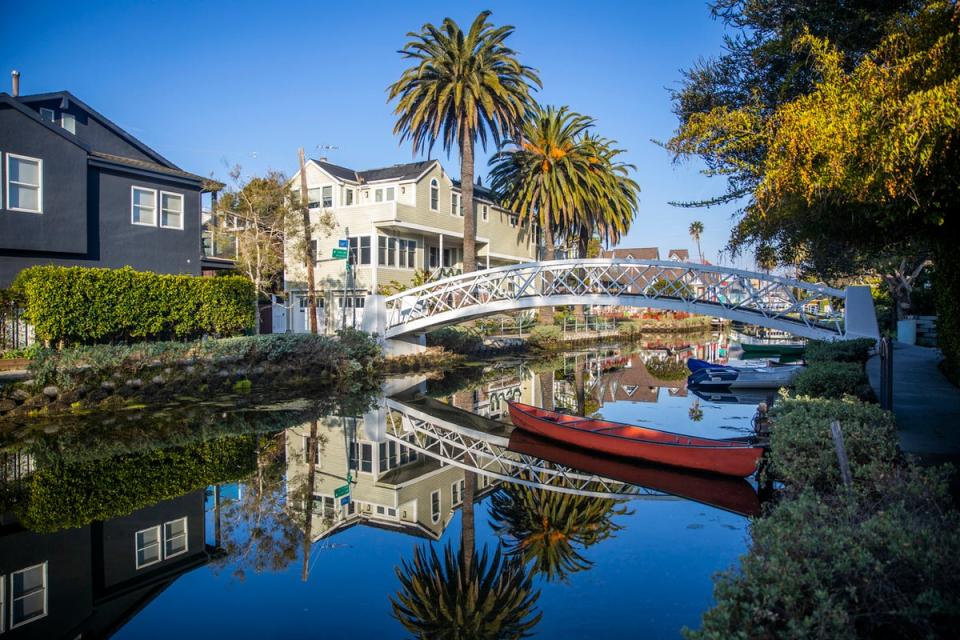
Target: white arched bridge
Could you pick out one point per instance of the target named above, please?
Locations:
(804, 309)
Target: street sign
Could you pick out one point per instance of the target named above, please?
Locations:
(345, 500)
(340, 254)
(339, 492)
(342, 244)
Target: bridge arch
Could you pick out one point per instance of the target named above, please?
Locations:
(804, 309)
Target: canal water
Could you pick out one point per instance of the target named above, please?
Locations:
(197, 520)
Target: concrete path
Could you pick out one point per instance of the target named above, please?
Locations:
(927, 406)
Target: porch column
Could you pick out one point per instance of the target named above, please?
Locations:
(374, 259)
(440, 261)
(488, 257)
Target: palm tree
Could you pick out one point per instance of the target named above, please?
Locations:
(544, 175)
(461, 87)
(696, 230)
(545, 526)
(458, 599)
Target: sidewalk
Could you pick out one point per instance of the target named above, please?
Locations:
(927, 406)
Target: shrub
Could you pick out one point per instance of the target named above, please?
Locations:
(839, 351)
(802, 453)
(851, 567)
(455, 339)
(80, 305)
(546, 337)
(833, 380)
(630, 329)
(361, 347)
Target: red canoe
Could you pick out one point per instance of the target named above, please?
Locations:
(727, 457)
(731, 494)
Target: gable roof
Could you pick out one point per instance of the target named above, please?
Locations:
(636, 253)
(38, 97)
(407, 171)
(9, 100)
(149, 166)
(682, 254)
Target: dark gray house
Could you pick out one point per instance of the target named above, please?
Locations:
(79, 190)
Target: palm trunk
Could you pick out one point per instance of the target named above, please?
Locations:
(468, 532)
(549, 253)
(308, 240)
(466, 201)
(580, 390)
(311, 485)
(583, 241)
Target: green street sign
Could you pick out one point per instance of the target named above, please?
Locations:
(339, 492)
(340, 254)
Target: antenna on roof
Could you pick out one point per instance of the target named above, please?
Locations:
(325, 147)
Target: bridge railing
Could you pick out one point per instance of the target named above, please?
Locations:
(695, 287)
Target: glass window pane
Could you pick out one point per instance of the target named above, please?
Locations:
(24, 197)
(25, 171)
(148, 555)
(390, 193)
(176, 545)
(148, 536)
(27, 581)
(143, 198)
(28, 608)
(176, 527)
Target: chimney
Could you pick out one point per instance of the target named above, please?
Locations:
(15, 81)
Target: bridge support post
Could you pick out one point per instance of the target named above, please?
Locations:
(859, 316)
(375, 322)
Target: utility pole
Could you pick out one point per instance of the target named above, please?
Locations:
(308, 240)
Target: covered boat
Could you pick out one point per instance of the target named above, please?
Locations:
(772, 348)
(735, 457)
(771, 376)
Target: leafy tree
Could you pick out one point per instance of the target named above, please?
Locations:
(462, 87)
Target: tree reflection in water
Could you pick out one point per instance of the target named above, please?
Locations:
(545, 527)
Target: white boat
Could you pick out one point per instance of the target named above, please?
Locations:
(727, 377)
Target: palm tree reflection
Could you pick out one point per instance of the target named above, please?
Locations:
(546, 527)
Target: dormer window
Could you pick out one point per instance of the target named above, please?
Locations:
(48, 114)
(69, 122)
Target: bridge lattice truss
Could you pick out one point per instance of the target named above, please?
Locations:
(803, 308)
(487, 454)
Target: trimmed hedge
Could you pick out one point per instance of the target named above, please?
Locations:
(455, 339)
(546, 337)
(833, 380)
(839, 351)
(80, 305)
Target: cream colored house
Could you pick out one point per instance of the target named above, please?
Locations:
(395, 221)
(393, 486)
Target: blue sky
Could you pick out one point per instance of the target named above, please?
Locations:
(220, 83)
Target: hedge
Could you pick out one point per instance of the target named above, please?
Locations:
(839, 351)
(833, 380)
(455, 339)
(546, 337)
(80, 305)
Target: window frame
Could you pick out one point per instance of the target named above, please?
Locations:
(185, 534)
(53, 115)
(46, 598)
(455, 497)
(485, 212)
(156, 204)
(378, 195)
(456, 204)
(389, 194)
(136, 547)
(3, 603)
(323, 196)
(435, 513)
(63, 122)
(183, 207)
(39, 187)
(434, 194)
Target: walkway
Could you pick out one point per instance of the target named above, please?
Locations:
(927, 406)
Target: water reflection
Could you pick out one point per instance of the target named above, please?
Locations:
(103, 520)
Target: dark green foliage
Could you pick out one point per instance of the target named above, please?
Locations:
(451, 598)
(66, 495)
(361, 346)
(79, 305)
(878, 566)
(802, 454)
(455, 339)
(666, 369)
(546, 337)
(947, 291)
(839, 351)
(833, 380)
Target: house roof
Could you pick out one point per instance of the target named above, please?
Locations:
(635, 253)
(407, 171)
(39, 97)
(479, 191)
(147, 166)
(682, 254)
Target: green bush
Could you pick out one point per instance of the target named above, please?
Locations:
(79, 305)
(630, 329)
(546, 337)
(455, 339)
(839, 351)
(833, 380)
(852, 567)
(802, 453)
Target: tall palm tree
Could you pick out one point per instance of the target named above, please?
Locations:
(459, 599)
(544, 175)
(461, 87)
(546, 527)
(613, 206)
(696, 230)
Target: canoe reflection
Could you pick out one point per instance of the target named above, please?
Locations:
(731, 494)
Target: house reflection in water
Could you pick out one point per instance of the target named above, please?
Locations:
(88, 582)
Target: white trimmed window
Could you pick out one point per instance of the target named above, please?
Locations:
(378, 195)
(406, 253)
(485, 213)
(434, 195)
(174, 538)
(326, 196)
(148, 547)
(48, 114)
(171, 210)
(347, 197)
(391, 194)
(143, 207)
(435, 506)
(24, 184)
(455, 496)
(456, 208)
(69, 122)
(28, 595)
